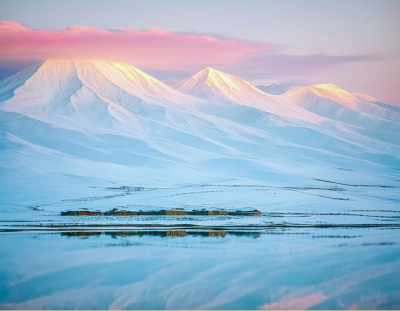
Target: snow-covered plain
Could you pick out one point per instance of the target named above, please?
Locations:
(100, 135)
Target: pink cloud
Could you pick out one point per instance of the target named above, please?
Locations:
(152, 48)
(159, 51)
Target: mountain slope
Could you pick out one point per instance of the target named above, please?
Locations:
(218, 87)
(375, 107)
(334, 103)
(91, 93)
(7, 86)
(62, 78)
(85, 133)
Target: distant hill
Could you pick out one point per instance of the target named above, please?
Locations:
(274, 88)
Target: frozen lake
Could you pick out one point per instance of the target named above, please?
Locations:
(298, 268)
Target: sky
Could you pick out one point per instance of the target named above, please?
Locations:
(352, 44)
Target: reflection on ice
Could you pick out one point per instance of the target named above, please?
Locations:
(309, 268)
(170, 233)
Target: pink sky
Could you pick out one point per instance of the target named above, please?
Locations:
(149, 49)
(168, 55)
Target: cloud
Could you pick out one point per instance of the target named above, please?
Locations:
(152, 48)
(158, 50)
(262, 64)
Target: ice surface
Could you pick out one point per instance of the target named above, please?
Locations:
(173, 269)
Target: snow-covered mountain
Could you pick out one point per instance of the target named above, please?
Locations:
(219, 87)
(88, 133)
(334, 103)
(56, 85)
(274, 88)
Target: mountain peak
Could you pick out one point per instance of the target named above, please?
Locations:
(210, 75)
(219, 87)
(209, 69)
(328, 92)
(95, 74)
(215, 85)
(274, 88)
(274, 84)
(330, 88)
(58, 85)
(207, 76)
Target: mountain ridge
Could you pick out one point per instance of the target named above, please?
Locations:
(274, 88)
(215, 86)
(333, 102)
(73, 129)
